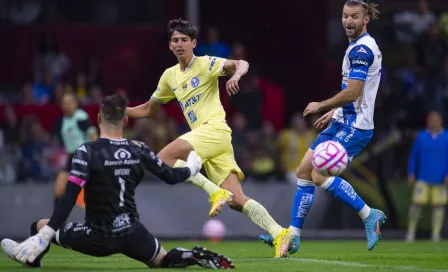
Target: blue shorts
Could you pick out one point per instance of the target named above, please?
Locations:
(354, 140)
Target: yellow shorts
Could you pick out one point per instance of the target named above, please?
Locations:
(423, 192)
(214, 144)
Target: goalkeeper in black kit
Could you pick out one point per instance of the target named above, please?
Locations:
(110, 169)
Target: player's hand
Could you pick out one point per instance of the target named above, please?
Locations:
(324, 119)
(33, 247)
(411, 180)
(232, 85)
(313, 107)
(194, 163)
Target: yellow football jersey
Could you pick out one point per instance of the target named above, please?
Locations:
(196, 89)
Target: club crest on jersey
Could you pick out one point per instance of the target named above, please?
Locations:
(361, 50)
(122, 154)
(195, 82)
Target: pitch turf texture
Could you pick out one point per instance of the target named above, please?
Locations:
(316, 256)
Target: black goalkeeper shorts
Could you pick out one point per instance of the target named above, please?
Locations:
(139, 245)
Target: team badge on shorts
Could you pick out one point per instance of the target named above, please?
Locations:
(195, 82)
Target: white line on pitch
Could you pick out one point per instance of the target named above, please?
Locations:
(342, 263)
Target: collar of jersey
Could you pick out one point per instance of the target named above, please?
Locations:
(112, 139)
(357, 39)
(190, 64)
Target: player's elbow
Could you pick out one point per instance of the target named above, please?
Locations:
(151, 108)
(353, 96)
(244, 64)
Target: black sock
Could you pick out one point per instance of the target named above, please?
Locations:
(33, 231)
(33, 228)
(178, 258)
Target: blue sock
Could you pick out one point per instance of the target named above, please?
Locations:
(303, 200)
(344, 192)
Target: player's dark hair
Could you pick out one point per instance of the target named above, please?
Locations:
(182, 26)
(113, 109)
(370, 7)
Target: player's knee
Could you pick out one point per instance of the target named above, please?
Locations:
(303, 174)
(177, 150)
(317, 178)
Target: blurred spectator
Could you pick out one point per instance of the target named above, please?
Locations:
(49, 58)
(268, 137)
(249, 100)
(57, 94)
(35, 140)
(23, 12)
(238, 52)
(293, 143)
(43, 90)
(213, 46)
(10, 128)
(27, 94)
(163, 134)
(81, 87)
(410, 24)
(263, 165)
(444, 23)
(432, 64)
(239, 127)
(95, 96)
(123, 93)
(94, 76)
(10, 153)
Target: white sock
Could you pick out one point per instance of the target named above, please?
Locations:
(327, 183)
(364, 212)
(295, 230)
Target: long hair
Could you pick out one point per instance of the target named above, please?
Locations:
(370, 7)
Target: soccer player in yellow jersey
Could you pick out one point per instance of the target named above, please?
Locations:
(194, 83)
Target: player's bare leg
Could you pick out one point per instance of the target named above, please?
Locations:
(258, 214)
(175, 154)
(181, 258)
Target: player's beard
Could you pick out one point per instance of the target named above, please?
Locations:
(354, 32)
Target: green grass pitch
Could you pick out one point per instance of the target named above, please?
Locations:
(337, 256)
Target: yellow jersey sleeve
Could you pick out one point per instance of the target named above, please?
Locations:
(163, 93)
(215, 66)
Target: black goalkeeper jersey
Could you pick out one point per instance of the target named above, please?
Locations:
(110, 171)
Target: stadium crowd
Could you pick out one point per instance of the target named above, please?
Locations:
(32, 153)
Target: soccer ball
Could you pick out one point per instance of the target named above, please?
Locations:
(330, 158)
(214, 230)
